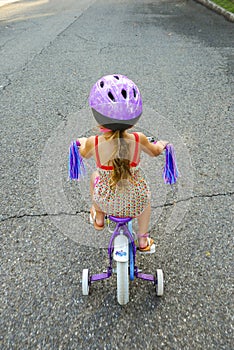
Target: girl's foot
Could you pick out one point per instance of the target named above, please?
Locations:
(97, 219)
(146, 244)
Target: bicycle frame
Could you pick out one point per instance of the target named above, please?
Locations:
(121, 228)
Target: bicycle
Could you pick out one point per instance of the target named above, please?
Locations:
(122, 249)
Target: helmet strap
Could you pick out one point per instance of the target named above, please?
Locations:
(103, 129)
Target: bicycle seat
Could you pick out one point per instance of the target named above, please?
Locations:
(119, 219)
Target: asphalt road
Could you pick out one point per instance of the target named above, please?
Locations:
(181, 56)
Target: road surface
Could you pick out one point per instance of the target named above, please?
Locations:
(181, 56)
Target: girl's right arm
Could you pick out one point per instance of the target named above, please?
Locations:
(153, 149)
(86, 146)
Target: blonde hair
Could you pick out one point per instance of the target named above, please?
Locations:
(120, 158)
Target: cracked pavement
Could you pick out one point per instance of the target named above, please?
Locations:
(181, 56)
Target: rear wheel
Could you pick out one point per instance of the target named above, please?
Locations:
(159, 283)
(122, 282)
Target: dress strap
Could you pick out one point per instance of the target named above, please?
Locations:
(96, 152)
(135, 157)
(98, 162)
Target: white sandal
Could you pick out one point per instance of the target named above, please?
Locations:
(150, 248)
(92, 220)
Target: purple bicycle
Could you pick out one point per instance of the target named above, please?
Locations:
(122, 253)
(122, 248)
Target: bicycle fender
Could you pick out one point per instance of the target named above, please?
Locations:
(121, 249)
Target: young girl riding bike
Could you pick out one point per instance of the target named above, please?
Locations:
(119, 187)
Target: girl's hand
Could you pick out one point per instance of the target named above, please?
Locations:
(82, 141)
(163, 143)
(87, 147)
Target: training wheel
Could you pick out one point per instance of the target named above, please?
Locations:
(159, 282)
(85, 282)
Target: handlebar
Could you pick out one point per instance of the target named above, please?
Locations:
(151, 139)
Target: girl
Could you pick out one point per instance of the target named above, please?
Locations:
(118, 187)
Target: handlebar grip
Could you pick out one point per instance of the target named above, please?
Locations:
(151, 139)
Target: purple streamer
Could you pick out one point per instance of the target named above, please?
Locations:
(76, 164)
(170, 172)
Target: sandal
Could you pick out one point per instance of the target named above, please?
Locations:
(92, 220)
(150, 248)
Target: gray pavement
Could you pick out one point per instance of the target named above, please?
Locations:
(181, 56)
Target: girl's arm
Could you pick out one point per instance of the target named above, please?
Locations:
(153, 149)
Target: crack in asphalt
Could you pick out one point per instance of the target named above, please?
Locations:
(3, 87)
(170, 204)
(213, 195)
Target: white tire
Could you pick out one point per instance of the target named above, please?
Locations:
(159, 283)
(85, 282)
(122, 282)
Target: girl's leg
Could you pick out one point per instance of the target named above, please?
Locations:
(143, 226)
(99, 214)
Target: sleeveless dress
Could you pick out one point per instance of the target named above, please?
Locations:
(128, 200)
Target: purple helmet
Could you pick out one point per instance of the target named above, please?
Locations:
(116, 102)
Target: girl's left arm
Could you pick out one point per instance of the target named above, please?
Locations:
(153, 149)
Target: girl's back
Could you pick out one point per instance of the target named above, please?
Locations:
(107, 148)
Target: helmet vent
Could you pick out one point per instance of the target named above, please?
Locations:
(116, 77)
(102, 84)
(124, 93)
(134, 93)
(111, 96)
